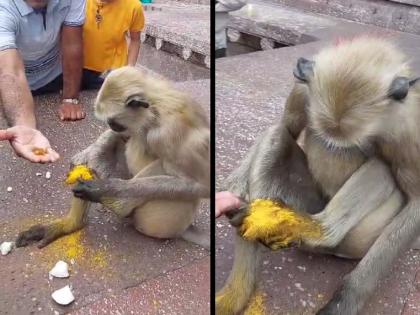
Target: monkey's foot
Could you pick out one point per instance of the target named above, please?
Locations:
(277, 226)
(45, 234)
(226, 304)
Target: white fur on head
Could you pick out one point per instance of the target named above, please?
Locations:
(349, 87)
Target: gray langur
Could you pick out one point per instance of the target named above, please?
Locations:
(153, 164)
(357, 174)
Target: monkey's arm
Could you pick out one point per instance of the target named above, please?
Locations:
(277, 227)
(361, 282)
(365, 191)
(144, 188)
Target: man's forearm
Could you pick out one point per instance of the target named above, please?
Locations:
(133, 51)
(16, 98)
(72, 52)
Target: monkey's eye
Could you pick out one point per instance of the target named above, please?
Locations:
(399, 88)
(137, 104)
(136, 101)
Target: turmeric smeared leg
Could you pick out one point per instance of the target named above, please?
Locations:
(72, 222)
(240, 285)
(277, 226)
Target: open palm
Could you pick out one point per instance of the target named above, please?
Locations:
(25, 140)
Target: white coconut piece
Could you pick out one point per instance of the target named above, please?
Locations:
(9, 189)
(6, 247)
(60, 270)
(63, 296)
(48, 175)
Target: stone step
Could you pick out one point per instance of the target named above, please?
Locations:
(180, 29)
(401, 15)
(274, 25)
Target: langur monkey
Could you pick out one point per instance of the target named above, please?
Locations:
(152, 164)
(357, 174)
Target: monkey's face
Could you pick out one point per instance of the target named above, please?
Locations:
(351, 91)
(123, 104)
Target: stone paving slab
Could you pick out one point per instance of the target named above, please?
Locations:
(183, 291)
(169, 65)
(280, 23)
(109, 255)
(391, 14)
(250, 93)
(185, 25)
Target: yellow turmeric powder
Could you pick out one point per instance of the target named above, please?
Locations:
(79, 172)
(40, 151)
(256, 305)
(277, 226)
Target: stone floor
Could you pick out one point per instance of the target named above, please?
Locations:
(250, 93)
(115, 269)
(186, 25)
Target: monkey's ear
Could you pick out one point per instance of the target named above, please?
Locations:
(399, 88)
(304, 69)
(136, 101)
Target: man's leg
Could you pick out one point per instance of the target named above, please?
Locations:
(55, 86)
(91, 80)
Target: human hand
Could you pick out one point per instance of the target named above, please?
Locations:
(30, 144)
(226, 201)
(70, 111)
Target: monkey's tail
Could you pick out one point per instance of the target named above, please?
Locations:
(239, 287)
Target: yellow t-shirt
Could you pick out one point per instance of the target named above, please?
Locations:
(105, 45)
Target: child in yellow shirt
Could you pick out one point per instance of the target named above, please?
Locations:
(107, 25)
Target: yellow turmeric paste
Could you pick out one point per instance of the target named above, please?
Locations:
(277, 226)
(79, 172)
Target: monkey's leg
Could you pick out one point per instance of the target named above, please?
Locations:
(194, 235)
(362, 281)
(73, 221)
(240, 285)
(105, 156)
(278, 172)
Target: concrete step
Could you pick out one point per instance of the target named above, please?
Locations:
(401, 15)
(180, 29)
(274, 24)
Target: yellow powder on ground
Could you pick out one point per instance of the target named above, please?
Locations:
(79, 172)
(276, 225)
(68, 247)
(256, 305)
(100, 259)
(74, 247)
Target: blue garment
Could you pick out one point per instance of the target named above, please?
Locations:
(36, 38)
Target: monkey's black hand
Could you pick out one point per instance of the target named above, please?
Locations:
(236, 216)
(90, 190)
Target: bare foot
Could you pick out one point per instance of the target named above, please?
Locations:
(71, 112)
